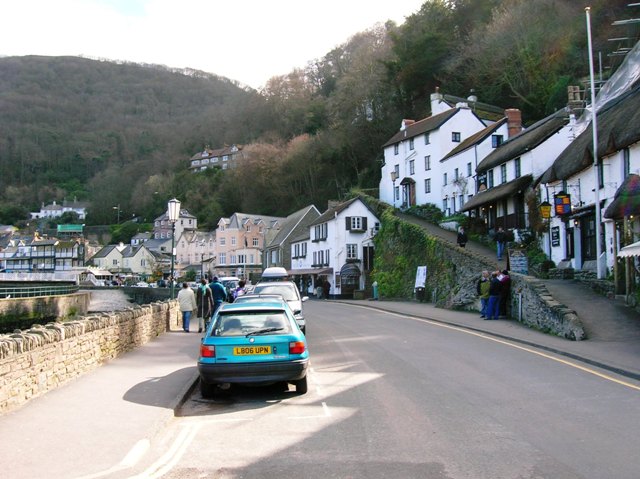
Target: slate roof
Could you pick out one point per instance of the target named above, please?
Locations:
(618, 122)
(493, 194)
(332, 212)
(524, 141)
(290, 222)
(422, 126)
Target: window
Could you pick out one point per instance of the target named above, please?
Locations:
(396, 168)
(320, 232)
(444, 179)
(223, 241)
(396, 149)
(426, 138)
(356, 223)
(397, 193)
(600, 173)
(255, 242)
(626, 163)
(455, 174)
(427, 185)
(496, 140)
(427, 163)
(469, 171)
(233, 241)
(503, 173)
(490, 179)
(412, 167)
(455, 137)
(352, 251)
(445, 204)
(242, 258)
(517, 168)
(461, 201)
(411, 144)
(222, 258)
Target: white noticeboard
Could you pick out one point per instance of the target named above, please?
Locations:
(421, 277)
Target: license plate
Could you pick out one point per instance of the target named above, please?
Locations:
(251, 350)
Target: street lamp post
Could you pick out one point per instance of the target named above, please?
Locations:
(394, 177)
(117, 208)
(174, 214)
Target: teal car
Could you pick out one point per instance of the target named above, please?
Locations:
(253, 343)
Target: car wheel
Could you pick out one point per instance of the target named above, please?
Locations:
(207, 390)
(301, 385)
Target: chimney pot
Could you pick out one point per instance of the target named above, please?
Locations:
(514, 121)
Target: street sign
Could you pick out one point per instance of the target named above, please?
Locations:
(518, 261)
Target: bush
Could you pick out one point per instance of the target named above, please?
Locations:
(429, 212)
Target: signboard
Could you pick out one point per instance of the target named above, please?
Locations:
(421, 277)
(555, 236)
(562, 203)
(518, 261)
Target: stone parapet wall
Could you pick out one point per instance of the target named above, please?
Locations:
(42, 358)
(531, 303)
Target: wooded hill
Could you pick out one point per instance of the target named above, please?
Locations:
(122, 134)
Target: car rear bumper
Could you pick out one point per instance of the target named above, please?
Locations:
(253, 373)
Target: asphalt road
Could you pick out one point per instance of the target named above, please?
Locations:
(395, 397)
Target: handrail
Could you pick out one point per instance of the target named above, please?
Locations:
(33, 291)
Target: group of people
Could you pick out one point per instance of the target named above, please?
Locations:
(205, 301)
(494, 290)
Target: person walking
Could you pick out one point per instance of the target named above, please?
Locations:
(483, 292)
(505, 292)
(501, 239)
(326, 288)
(493, 306)
(204, 299)
(462, 237)
(219, 293)
(187, 301)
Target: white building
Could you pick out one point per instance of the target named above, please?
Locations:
(339, 248)
(575, 177)
(417, 167)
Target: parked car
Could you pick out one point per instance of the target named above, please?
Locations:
(141, 284)
(254, 343)
(289, 291)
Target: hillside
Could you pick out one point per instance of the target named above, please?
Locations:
(67, 122)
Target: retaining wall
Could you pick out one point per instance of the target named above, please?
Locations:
(13, 309)
(531, 303)
(42, 358)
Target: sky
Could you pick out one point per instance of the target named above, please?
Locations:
(248, 41)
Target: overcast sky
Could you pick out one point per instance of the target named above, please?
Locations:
(245, 40)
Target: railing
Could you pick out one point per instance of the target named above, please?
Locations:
(33, 291)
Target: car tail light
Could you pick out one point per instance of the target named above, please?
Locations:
(207, 351)
(297, 347)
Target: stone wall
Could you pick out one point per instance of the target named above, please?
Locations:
(12, 309)
(42, 358)
(531, 303)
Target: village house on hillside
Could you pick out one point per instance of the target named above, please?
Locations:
(226, 157)
(574, 176)
(431, 160)
(240, 242)
(338, 248)
(55, 210)
(504, 176)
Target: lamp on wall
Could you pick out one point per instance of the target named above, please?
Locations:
(174, 214)
(394, 177)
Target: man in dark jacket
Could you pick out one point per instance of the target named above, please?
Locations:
(505, 291)
(501, 239)
(204, 300)
(462, 237)
(219, 293)
(493, 308)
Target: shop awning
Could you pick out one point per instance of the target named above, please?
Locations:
(498, 192)
(630, 250)
(626, 201)
(350, 270)
(302, 271)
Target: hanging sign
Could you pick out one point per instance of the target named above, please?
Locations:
(562, 203)
(545, 210)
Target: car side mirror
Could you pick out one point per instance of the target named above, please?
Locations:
(305, 298)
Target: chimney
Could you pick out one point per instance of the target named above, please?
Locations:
(514, 121)
(438, 104)
(406, 123)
